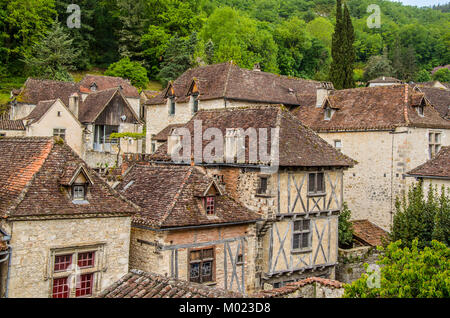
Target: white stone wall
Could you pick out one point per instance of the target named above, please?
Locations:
(20, 110)
(32, 242)
(13, 133)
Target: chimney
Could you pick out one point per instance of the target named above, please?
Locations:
(74, 104)
(256, 67)
(322, 91)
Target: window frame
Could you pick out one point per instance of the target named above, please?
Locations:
(434, 146)
(301, 232)
(315, 192)
(172, 106)
(207, 204)
(59, 132)
(195, 103)
(81, 186)
(201, 261)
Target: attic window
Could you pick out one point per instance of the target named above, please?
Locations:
(78, 192)
(209, 205)
(328, 113)
(420, 110)
(195, 103)
(171, 106)
(93, 87)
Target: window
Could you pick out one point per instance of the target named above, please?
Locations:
(194, 103)
(263, 183)
(59, 114)
(59, 133)
(78, 192)
(65, 266)
(316, 183)
(2, 135)
(201, 265)
(209, 205)
(420, 111)
(301, 235)
(171, 106)
(434, 143)
(338, 144)
(328, 113)
(153, 146)
(102, 137)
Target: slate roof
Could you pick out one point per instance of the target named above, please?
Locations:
(163, 135)
(290, 288)
(439, 166)
(226, 80)
(439, 98)
(139, 284)
(371, 108)
(299, 146)
(108, 82)
(7, 124)
(30, 182)
(36, 90)
(169, 196)
(369, 233)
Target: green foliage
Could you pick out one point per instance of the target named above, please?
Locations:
(345, 227)
(442, 75)
(423, 76)
(407, 273)
(378, 65)
(421, 218)
(133, 71)
(53, 56)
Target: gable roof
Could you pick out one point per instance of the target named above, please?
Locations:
(96, 102)
(41, 108)
(369, 233)
(140, 284)
(107, 82)
(169, 197)
(36, 90)
(437, 167)
(7, 124)
(371, 108)
(30, 182)
(439, 98)
(298, 145)
(226, 80)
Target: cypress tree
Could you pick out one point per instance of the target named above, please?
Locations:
(349, 50)
(336, 72)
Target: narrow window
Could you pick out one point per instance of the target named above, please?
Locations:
(209, 205)
(434, 143)
(420, 111)
(153, 146)
(328, 113)
(301, 235)
(195, 103)
(201, 265)
(78, 192)
(59, 133)
(172, 106)
(59, 114)
(316, 183)
(262, 188)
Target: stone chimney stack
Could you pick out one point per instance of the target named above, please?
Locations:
(74, 103)
(322, 92)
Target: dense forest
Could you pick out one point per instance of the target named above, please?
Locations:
(159, 39)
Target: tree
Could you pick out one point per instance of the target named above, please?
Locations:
(406, 273)
(442, 75)
(154, 44)
(209, 51)
(178, 58)
(377, 66)
(345, 228)
(349, 50)
(53, 56)
(416, 217)
(322, 29)
(423, 76)
(132, 71)
(441, 230)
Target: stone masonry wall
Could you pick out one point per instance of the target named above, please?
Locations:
(351, 262)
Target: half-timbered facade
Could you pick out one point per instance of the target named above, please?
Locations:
(189, 228)
(300, 200)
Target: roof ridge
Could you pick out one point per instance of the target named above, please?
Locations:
(176, 196)
(227, 79)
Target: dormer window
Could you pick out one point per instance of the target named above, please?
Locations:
(194, 103)
(420, 110)
(209, 205)
(78, 192)
(172, 106)
(328, 113)
(93, 87)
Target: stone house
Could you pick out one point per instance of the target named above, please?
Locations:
(434, 172)
(388, 130)
(438, 95)
(225, 85)
(189, 228)
(84, 114)
(11, 128)
(300, 200)
(67, 233)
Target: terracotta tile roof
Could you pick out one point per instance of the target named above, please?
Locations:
(139, 284)
(439, 98)
(227, 80)
(163, 135)
(369, 233)
(6, 124)
(30, 185)
(439, 166)
(298, 146)
(41, 108)
(385, 79)
(108, 82)
(371, 108)
(169, 196)
(36, 90)
(293, 287)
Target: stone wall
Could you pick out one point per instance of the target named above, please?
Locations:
(34, 241)
(351, 262)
